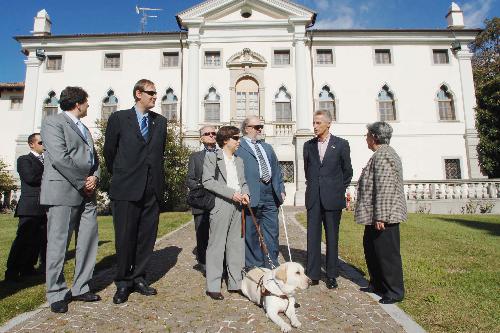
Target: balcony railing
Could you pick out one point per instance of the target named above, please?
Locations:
(283, 129)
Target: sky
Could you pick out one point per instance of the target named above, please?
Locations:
(98, 16)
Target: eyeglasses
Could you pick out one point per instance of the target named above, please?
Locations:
(209, 133)
(236, 137)
(40, 143)
(256, 127)
(150, 92)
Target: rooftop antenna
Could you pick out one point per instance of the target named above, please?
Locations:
(144, 11)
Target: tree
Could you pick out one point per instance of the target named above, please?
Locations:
(486, 70)
(7, 182)
(103, 204)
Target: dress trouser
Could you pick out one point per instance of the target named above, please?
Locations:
(316, 216)
(383, 260)
(62, 221)
(136, 227)
(202, 228)
(266, 214)
(225, 238)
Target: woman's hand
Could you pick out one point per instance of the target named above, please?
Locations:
(245, 199)
(237, 197)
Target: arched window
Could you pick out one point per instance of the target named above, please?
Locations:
(445, 104)
(50, 105)
(212, 106)
(109, 105)
(169, 105)
(326, 102)
(282, 106)
(386, 108)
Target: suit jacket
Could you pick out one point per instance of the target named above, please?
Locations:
(30, 170)
(328, 180)
(381, 195)
(130, 158)
(194, 174)
(252, 174)
(223, 193)
(67, 162)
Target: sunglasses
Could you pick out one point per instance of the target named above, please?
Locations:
(40, 143)
(256, 127)
(236, 137)
(150, 92)
(209, 133)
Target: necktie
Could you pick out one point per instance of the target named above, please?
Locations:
(40, 157)
(266, 177)
(82, 129)
(144, 128)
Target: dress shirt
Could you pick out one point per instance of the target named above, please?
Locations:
(84, 132)
(140, 116)
(322, 146)
(232, 174)
(263, 151)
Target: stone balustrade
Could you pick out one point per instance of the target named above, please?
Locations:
(283, 129)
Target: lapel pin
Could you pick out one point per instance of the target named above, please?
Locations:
(333, 147)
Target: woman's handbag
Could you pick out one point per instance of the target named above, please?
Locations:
(199, 197)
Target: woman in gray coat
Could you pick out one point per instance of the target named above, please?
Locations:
(381, 206)
(224, 175)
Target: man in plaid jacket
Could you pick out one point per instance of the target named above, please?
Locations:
(381, 206)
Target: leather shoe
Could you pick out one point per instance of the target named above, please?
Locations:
(59, 306)
(314, 282)
(144, 289)
(121, 295)
(215, 295)
(87, 297)
(331, 283)
(388, 300)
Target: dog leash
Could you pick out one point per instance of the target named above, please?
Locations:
(262, 244)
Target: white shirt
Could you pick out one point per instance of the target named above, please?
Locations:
(232, 174)
(264, 154)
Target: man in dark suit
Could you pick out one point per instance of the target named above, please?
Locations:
(195, 172)
(267, 193)
(328, 170)
(31, 237)
(133, 149)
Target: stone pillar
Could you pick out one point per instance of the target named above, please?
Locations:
(469, 103)
(34, 116)
(191, 134)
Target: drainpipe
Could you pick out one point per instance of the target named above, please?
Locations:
(182, 85)
(311, 32)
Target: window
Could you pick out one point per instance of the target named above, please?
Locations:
(445, 104)
(16, 103)
(282, 106)
(54, 62)
(386, 108)
(212, 58)
(383, 57)
(452, 168)
(326, 102)
(440, 57)
(281, 57)
(287, 171)
(170, 59)
(247, 98)
(169, 105)
(324, 56)
(109, 105)
(112, 60)
(50, 105)
(212, 106)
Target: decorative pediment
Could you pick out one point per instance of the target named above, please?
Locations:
(246, 58)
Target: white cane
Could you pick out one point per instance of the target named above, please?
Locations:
(286, 233)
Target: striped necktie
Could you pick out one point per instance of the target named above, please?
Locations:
(144, 128)
(266, 177)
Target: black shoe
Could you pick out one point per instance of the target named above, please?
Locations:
(87, 297)
(144, 289)
(331, 283)
(59, 306)
(314, 282)
(121, 295)
(215, 295)
(236, 291)
(11, 276)
(388, 300)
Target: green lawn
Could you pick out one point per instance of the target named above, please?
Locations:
(28, 295)
(451, 269)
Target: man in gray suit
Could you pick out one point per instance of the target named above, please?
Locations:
(68, 189)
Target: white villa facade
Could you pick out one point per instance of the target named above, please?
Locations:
(234, 58)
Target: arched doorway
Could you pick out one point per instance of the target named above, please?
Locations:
(247, 98)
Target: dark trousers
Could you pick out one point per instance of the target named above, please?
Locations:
(136, 227)
(383, 260)
(202, 228)
(29, 244)
(330, 219)
(266, 214)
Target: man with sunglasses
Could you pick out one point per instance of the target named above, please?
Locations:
(267, 193)
(195, 171)
(134, 148)
(31, 236)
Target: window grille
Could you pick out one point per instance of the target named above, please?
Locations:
(287, 171)
(452, 169)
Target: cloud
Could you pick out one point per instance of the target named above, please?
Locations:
(475, 12)
(336, 14)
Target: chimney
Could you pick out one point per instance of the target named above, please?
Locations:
(455, 17)
(42, 24)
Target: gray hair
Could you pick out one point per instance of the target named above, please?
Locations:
(245, 122)
(381, 132)
(325, 114)
(206, 126)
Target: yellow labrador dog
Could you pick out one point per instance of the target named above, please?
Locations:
(274, 290)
